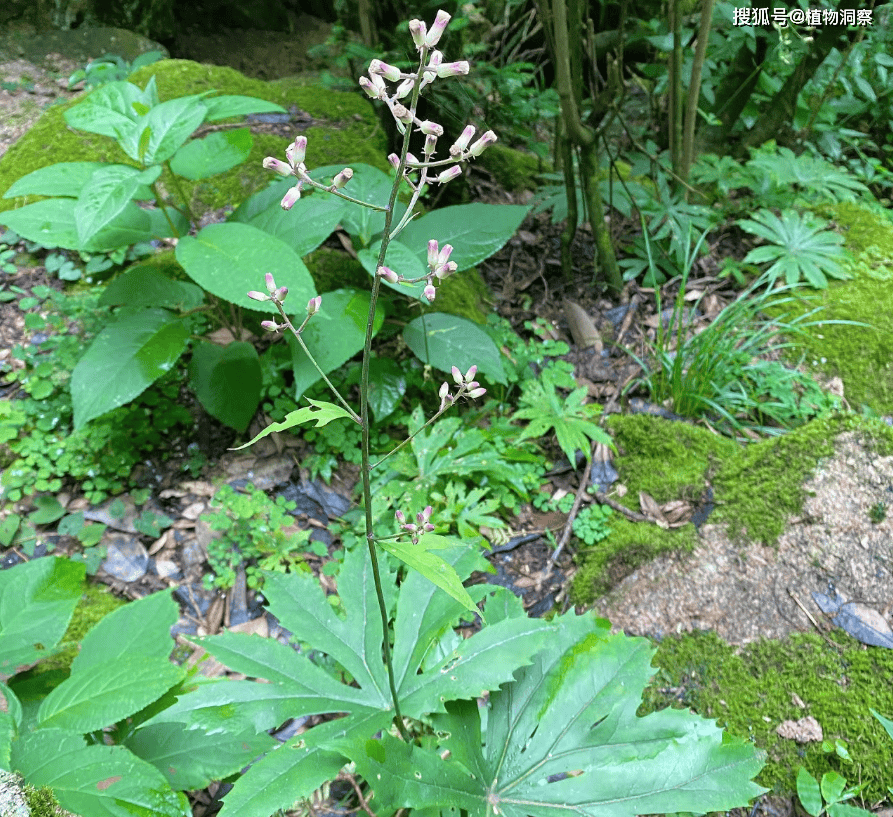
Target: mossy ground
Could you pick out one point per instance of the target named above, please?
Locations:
(756, 488)
(751, 690)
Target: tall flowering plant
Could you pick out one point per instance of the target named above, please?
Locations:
(558, 730)
(400, 92)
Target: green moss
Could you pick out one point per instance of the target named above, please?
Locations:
(751, 691)
(95, 604)
(862, 357)
(756, 488)
(464, 294)
(513, 170)
(42, 802)
(332, 269)
(630, 545)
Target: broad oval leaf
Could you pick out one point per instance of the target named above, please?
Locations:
(217, 153)
(333, 335)
(387, 385)
(310, 222)
(231, 259)
(169, 125)
(60, 179)
(146, 285)
(403, 261)
(227, 105)
(227, 381)
(125, 358)
(106, 194)
(444, 341)
(476, 231)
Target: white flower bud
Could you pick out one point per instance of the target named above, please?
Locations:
(452, 69)
(478, 147)
(394, 159)
(401, 114)
(275, 164)
(477, 393)
(462, 142)
(434, 33)
(449, 174)
(444, 255)
(418, 31)
(342, 178)
(279, 294)
(388, 274)
(430, 292)
(270, 326)
(432, 252)
(401, 517)
(444, 391)
(430, 145)
(258, 296)
(389, 72)
(457, 376)
(293, 194)
(313, 305)
(428, 127)
(297, 151)
(371, 90)
(471, 373)
(404, 88)
(270, 282)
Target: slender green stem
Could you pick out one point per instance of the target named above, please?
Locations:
(180, 192)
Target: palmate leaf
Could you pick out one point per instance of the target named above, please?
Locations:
(572, 420)
(299, 687)
(564, 739)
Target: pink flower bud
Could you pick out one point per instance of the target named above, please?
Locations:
(418, 31)
(280, 167)
(314, 304)
(388, 274)
(291, 196)
(280, 294)
(445, 270)
(477, 393)
(428, 527)
(270, 326)
(430, 145)
(449, 174)
(404, 88)
(297, 151)
(412, 160)
(258, 296)
(444, 391)
(472, 385)
(428, 127)
(389, 72)
(478, 147)
(371, 90)
(452, 69)
(430, 292)
(444, 254)
(471, 373)
(432, 252)
(394, 159)
(401, 517)
(437, 27)
(457, 375)
(435, 58)
(342, 178)
(462, 142)
(270, 282)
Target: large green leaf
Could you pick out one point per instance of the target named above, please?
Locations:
(159, 134)
(476, 231)
(190, 760)
(310, 222)
(564, 738)
(333, 335)
(61, 179)
(228, 105)
(231, 259)
(111, 109)
(403, 261)
(125, 358)
(37, 600)
(106, 194)
(145, 285)
(100, 781)
(217, 153)
(297, 686)
(97, 696)
(444, 341)
(227, 381)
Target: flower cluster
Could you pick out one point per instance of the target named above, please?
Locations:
(467, 387)
(277, 296)
(295, 166)
(420, 526)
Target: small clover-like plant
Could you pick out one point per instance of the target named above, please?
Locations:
(591, 525)
(253, 535)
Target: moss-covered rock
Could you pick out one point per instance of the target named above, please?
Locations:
(751, 690)
(756, 487)
(513, 170)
